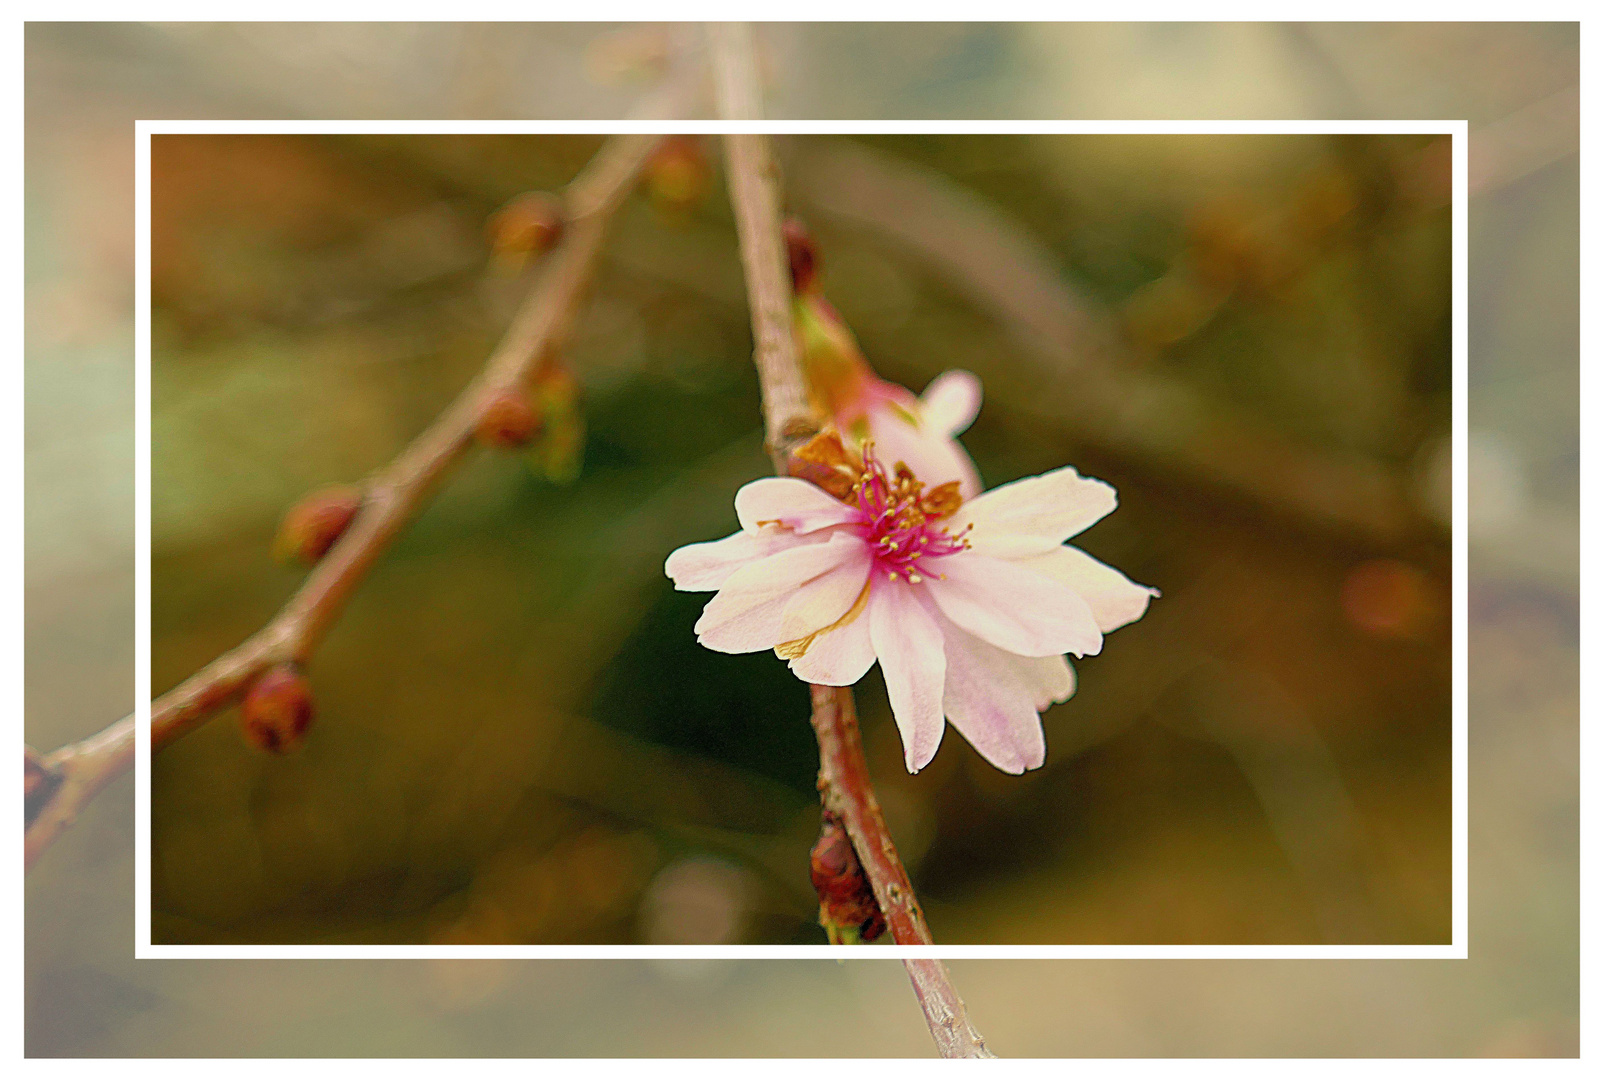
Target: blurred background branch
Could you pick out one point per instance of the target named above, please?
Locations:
(1084, 376)
(539, 332)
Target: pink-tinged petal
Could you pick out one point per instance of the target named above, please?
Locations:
(746, 614)
(828, 597)
(704, 567)
(991, 698)
(934, 458)
(951, 402)
(839, 657)
(1034, 515)
(908, 642)
(1015, 609)
(1115, 599)
(1050, 678)
(795, 504)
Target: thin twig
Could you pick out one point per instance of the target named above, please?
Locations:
(789, 419)
(392, 496)
(754, 181)
(846, 790)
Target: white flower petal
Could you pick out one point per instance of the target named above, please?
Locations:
(828, 597)
(934, 458)
(746, 614)
(1115, 599)
(1050, 678)
(704, 567)
(796, 504)
(951, 402)
(839, 657)
(1016, 609)
(991, 698)
(908, 642)
(1034, 515)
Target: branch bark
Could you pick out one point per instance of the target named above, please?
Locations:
(70, 777)
(789, 420)
(846, 790)
(754, 181)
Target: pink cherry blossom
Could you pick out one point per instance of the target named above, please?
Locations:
(969, 605)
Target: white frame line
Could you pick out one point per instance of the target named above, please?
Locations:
(1457, 949)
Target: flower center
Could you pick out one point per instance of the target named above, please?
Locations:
(901, 521)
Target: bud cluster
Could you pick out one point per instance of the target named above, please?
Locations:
(847, 907)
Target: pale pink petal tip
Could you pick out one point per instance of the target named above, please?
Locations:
(951, 402)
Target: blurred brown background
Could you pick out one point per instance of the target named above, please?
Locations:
(519, 739)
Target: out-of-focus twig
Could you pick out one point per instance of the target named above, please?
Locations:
(391, 497)
(992, 260)
(844, 784)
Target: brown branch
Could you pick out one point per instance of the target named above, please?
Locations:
(70, 777)
(846, 791)
(754, 182)
(789, 419)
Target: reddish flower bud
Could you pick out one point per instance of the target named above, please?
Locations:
(509, 420)
(313, 525)
(804, 255)
(679, 175)
(277, 709)
(527, 227)
(847, 907)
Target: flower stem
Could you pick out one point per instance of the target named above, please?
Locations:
(789, 421)
(846, 791)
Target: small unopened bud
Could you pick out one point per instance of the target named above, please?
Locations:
(679, 175)
(847, 907)
(509, 420)
(277, 710)
(526, 228)
(804, 256)
(313, 525)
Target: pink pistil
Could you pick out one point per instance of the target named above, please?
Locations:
(898, 526)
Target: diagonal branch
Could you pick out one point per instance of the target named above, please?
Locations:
(844, 784)
(66, 780)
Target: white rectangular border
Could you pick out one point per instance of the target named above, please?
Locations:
(1457, 949)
